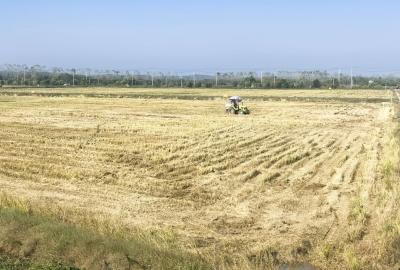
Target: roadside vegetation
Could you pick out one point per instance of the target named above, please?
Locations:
(7, 263)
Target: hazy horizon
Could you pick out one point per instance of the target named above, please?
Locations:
(203, 36)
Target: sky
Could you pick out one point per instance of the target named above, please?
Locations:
(202, 35)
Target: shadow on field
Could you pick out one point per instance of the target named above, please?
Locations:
(30, 241)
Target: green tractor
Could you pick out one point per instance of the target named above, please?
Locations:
(235, 105)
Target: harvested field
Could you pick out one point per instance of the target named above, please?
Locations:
(370, 96)
(285, 178)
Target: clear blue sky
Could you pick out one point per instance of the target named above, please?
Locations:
(202, 35)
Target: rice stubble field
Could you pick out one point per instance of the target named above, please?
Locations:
(288, 180)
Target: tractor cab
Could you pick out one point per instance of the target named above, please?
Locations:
(235, 105)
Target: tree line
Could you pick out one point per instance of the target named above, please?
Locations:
(40, 76)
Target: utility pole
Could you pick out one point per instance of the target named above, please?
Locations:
(73, 77)
(88, 78)
(351, 78)
(311, 79)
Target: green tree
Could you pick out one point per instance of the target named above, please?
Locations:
(316, 84)
(250, 81)
(282, 83)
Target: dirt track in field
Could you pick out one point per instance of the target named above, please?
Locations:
(287, 173)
